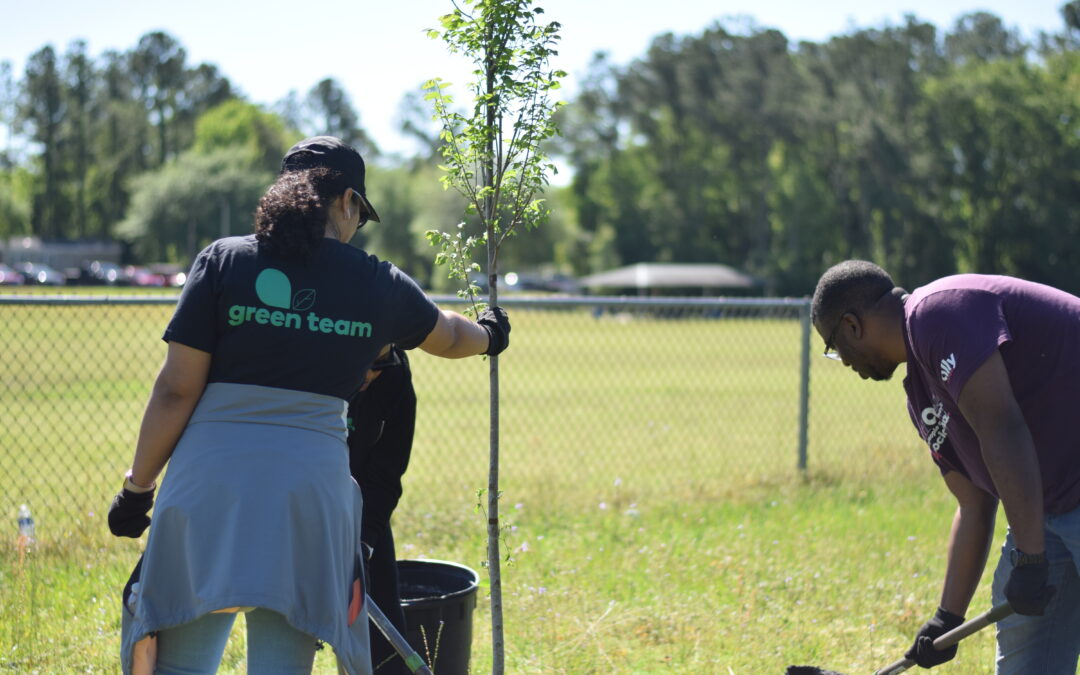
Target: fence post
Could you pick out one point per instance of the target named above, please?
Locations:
(804, 383)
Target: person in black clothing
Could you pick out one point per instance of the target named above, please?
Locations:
(382, 418)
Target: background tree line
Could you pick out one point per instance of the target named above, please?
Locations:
(928, 151)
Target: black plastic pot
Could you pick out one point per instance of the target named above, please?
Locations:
(438, 598)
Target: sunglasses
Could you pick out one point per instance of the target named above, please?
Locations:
(365, 215)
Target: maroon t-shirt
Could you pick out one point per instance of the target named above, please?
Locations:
(952, 326)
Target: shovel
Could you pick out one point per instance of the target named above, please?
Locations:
(413, 662)
(943, 641)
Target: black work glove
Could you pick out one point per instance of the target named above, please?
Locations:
(127, 513)
(1027, 590)
(497, 325)
(922, 651)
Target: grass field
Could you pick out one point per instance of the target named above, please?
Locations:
(655, 518)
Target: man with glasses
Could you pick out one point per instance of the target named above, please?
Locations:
(993, 386)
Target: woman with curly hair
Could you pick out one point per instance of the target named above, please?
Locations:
(258, 513)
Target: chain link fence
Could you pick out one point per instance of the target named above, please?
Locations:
(661, 396)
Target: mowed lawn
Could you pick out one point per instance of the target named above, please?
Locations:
(655, 519)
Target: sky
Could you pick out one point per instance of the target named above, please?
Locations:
(379, 51)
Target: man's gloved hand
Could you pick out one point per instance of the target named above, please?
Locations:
(127, 513)
(1027, 590)
(497, 325)
(922, 651)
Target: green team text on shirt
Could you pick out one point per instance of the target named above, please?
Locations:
(239, 314)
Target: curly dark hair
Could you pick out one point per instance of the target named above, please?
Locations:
(850, 285)
(291, 218)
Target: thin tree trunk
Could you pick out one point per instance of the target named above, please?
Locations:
(498, 657)
(498, 654)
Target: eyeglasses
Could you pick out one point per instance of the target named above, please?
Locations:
(389, 361)
(830, 348)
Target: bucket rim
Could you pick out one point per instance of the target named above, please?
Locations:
(473, 578)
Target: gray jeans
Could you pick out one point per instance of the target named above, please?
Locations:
(1048, 644)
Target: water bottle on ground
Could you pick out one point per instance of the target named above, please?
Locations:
(26, 526)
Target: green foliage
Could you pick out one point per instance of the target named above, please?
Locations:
(15, 191)
(455, 251)
(42, 110)
(330, 112)
(180, 208)
(926, 152)
(899, 143)
(493, 156)
(97, 123)
(1011, 128)
(246, 128)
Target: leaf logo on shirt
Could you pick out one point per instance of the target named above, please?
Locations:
(304, 299)
(275, 290)
(947, 367)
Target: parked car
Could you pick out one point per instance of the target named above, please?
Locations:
(103, 273)
(9, 277)
(174, 274)
(549, 283)
(41, 274)
(141, 276)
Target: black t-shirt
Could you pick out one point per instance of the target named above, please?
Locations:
(313, 326)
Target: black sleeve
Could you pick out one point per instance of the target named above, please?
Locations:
(414, 312)
(194, 323)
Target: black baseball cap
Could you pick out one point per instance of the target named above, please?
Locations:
(332, 153)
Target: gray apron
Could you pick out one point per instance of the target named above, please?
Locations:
(257, 509)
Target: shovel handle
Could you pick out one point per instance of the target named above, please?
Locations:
(413, 662)
(957, 634)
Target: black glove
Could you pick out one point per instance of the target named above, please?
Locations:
(1026, 590)
(922, 651)
(127, 513)
(497, 325)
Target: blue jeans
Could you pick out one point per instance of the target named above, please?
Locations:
(274, 646)
(1048, 644)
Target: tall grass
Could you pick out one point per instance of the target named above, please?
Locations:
(655, 520)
